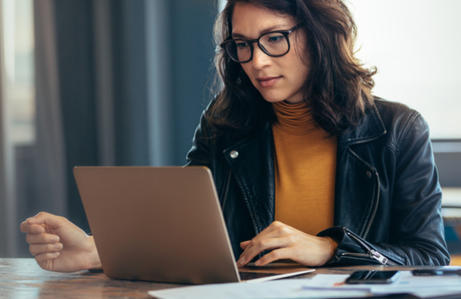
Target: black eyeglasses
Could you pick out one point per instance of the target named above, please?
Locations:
(274, 43)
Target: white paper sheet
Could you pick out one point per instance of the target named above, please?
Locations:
(286, 288)
(320, 286)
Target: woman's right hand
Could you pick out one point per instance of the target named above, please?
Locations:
(59, 245)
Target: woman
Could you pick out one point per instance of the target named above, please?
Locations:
(308, 165)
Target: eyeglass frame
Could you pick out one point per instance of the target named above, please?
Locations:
(250, 42)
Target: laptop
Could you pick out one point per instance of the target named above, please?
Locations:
(162, 224)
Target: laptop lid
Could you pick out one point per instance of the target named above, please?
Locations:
(159, 224)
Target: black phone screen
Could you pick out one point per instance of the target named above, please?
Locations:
(374, 277)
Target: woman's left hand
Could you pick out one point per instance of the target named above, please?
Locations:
(286, 242)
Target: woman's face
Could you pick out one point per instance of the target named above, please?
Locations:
(276, 78)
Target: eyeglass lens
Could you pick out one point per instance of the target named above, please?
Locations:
(272, 43)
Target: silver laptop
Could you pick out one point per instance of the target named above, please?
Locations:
(162, 224)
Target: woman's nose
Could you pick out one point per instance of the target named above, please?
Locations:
(260, 59)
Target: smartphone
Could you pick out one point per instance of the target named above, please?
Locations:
(373, 277)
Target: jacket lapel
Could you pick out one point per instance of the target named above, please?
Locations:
(252, 164)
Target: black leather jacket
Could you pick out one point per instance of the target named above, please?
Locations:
(387, 194)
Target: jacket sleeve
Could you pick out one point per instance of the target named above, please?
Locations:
(417, 233)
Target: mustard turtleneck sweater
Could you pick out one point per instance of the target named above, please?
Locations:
(305, 167)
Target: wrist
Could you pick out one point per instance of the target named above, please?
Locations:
(93, 257)
(330, 248)
(333, 245)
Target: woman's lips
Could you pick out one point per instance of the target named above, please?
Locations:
(268, 81)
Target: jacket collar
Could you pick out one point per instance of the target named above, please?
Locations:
(370, 128)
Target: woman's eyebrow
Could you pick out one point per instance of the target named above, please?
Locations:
(271, 28)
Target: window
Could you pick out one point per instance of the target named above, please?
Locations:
(18, 47)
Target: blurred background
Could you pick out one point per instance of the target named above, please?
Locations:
(123, 82)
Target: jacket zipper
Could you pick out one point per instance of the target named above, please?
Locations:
(226, 190)
(375, 205)
(375, 200)
(371, 252)
(247, 202)
(372, 214)
(245, 198)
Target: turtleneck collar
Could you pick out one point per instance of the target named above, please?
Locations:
(294, 118)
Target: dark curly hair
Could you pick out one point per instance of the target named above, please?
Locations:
(338, 87)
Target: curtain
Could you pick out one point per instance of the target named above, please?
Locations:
(50, 150)
(7, 171)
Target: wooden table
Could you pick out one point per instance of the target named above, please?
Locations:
(23, 278)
